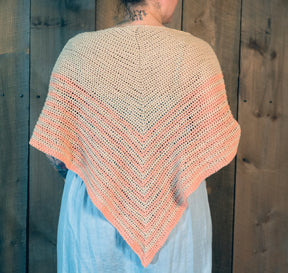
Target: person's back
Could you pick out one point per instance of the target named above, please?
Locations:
(139, 115)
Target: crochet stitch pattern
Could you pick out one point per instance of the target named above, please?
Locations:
(141, 114)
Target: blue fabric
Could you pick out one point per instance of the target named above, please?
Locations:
(88, 243)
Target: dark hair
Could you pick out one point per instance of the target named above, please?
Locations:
(132, 2)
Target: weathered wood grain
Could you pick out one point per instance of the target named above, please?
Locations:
(52, 24)
(14, 116)
(261, 215)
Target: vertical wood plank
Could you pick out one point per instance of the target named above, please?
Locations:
(261, 218)
(218, 23)
(52, 24)
(14, 111)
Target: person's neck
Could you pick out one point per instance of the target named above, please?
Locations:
(141, 16)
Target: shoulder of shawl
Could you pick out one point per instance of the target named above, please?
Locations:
(201, 55)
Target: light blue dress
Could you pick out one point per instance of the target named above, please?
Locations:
(88, 243)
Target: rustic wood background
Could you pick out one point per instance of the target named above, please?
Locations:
(248, 198)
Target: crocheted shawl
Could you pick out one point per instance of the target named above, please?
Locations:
(140, 113)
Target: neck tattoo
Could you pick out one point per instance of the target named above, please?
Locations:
(137, 14)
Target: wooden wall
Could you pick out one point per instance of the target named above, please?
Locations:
(52, 24)
(247, 197)
(14, 134)
(261, 203)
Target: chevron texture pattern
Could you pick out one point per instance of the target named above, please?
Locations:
(140, 113)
